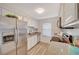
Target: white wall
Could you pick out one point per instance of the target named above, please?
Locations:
(54, 29)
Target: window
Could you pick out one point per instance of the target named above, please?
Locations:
(46, 29)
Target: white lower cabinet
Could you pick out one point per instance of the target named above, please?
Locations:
(31, 41)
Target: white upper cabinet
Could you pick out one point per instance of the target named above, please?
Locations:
(68, 13)
(34, 23)
(4, 12)
(6, 22)
(30, 22)
(69, 10)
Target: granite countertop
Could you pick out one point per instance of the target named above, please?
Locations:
(58, 48)
(32, 34)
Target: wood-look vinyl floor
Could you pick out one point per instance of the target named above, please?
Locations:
(39, 49)
(43, 49)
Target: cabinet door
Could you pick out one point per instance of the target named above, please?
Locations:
(29, 43)
(34, 23)
(0, 11)
(5, 11)
(32, 41)
(29, 22)
(68, 13)
(35, 39)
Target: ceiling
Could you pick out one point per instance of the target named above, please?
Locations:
(24, 9)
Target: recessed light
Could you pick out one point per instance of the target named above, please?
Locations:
(39, 10)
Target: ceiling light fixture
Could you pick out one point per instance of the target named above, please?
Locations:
(40, 10)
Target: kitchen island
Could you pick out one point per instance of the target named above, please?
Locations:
(58, 48)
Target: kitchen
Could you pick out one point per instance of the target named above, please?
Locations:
(21, 31)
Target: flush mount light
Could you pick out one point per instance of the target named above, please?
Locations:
(39, 10)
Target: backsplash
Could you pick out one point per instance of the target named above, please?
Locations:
(73, 32)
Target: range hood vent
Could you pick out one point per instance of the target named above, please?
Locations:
(67, 27)
(60, 26)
